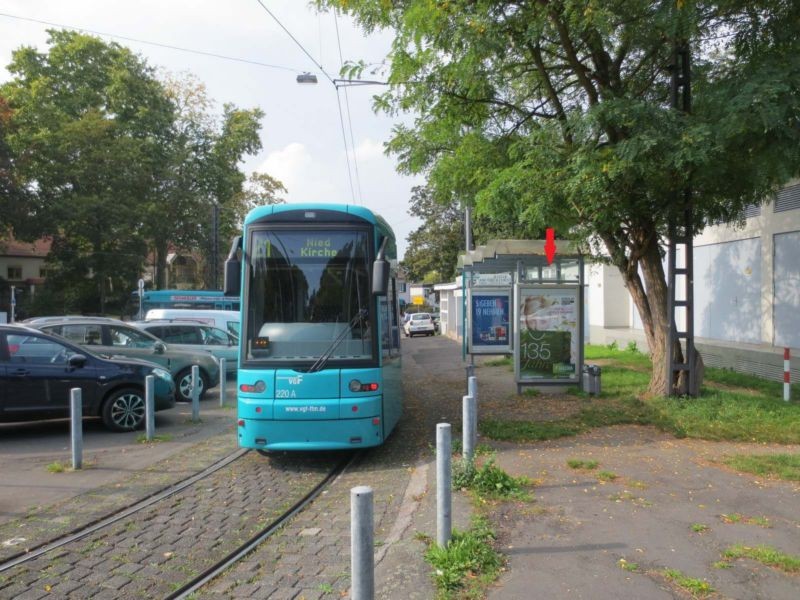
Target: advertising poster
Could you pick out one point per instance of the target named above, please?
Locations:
(548, 334)
(490, 331)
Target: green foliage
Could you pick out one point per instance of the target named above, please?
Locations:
(752, 410)
(110, 162)
(575, 463)
(469, 561)
(433, 248)
(766, 555)
(696, 587)
(782, 466)
(488, 480)
(559, 115)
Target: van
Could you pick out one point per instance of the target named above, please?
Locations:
(227, 320)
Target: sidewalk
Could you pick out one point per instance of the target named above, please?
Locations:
(573, 540)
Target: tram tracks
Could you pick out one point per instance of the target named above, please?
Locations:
(175, 541)
(73, 536)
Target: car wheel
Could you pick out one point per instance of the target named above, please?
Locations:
(124, 410)
(183, 382)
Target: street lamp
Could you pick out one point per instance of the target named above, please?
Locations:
(306, 79)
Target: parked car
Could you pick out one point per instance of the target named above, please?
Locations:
(436, 320)
(227, 320)
(186, 335)
(38, 370)
(110, 337)
(419, 324)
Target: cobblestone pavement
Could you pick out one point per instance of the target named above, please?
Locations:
(153, 552)
(310, 558)
(43, 524)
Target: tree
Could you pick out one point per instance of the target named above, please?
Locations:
(200, 171)
(433, 247)
(88, 119)
(558, 113)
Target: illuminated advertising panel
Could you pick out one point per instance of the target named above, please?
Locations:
(547, 319)
(490, 321)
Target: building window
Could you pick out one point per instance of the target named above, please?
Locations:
(401, 287)
(43, 272)
(14, 274)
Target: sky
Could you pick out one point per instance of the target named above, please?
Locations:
(302, 137)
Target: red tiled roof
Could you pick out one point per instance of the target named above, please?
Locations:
(39, 248)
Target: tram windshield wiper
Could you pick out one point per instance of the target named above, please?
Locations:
(320, 363)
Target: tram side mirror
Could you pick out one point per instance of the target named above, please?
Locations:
(233, 269)
(380, 277)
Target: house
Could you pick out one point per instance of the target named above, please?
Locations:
(22, 265)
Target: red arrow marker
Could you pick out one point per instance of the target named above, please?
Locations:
(550, 245)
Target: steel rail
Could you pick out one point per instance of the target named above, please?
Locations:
(80, 533)
(232, 558)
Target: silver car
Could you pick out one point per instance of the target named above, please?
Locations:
(110, 337)
(197, 337)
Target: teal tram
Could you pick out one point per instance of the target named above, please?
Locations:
(319, 361)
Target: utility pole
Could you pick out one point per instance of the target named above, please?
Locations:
(681, 234)
(215, 245)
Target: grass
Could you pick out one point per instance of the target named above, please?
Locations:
(489, 481)
(699, 527)
(606, 476)
(731, 406)
(467, 564)
(739, 518)
(696, 587)
(575, 463)
(780, 466)
(766, 555)
(56, 467)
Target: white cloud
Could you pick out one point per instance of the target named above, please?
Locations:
(369, 149)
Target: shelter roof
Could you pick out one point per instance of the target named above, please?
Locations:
(504, 253)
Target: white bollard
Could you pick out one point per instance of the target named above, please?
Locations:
(362, 550)
(149, 407)
(468, 427)
(195, 393)
(444, 523)
(472, 390)
(223, 380)
(76, 427)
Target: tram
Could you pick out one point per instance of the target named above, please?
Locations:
(319, 357)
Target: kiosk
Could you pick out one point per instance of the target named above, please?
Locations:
(515, 302)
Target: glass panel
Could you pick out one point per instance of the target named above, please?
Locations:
(127, 336)
(30, 349)
(309, 295)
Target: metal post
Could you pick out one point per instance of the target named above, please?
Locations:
(472, 390)
(195, 393)
(149, 406)
(444, 523)
(362, 567)
(787, 374)
(468, 427)
(76, 427)
(223, 380)
(13, 303)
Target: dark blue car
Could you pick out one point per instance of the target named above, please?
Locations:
(37, 371)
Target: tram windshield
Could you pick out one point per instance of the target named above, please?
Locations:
(308, 296)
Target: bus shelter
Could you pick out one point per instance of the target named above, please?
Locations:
(518, 303)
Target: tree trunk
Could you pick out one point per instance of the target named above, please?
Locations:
(160, 251)
(650, 294)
